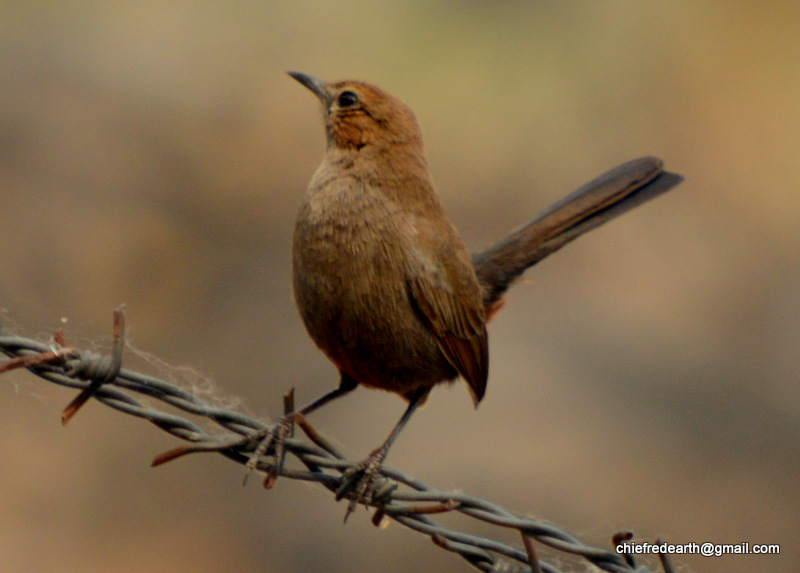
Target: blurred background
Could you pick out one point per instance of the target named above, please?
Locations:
(644, 378)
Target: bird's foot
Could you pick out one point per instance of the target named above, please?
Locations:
(363, 482)
(272, 437)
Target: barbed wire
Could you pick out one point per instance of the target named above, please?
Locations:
(399, 497)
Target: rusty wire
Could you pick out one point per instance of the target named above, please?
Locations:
(401, 497)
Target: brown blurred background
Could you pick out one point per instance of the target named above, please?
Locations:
(646, 377)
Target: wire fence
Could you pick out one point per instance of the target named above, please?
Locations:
(399, 497)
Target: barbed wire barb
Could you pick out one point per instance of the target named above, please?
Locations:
(399, 497)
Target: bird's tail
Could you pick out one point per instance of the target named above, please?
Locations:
(610, 195)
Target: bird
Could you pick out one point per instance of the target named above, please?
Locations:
(383, 281)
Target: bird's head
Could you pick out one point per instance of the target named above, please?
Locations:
(359, 115)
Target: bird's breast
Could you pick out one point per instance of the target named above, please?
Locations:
(350, 275)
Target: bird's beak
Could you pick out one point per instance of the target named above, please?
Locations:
(316, 85)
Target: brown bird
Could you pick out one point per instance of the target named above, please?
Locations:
(383, 281)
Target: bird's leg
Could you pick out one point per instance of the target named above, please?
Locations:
(362, 478)
(275, 435)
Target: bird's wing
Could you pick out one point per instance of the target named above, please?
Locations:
(444, 289)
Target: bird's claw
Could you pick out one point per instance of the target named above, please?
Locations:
(274, 436)
(364, 483)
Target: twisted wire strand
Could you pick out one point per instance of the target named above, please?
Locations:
(412, 505)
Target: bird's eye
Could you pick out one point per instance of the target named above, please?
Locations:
(347, 98)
